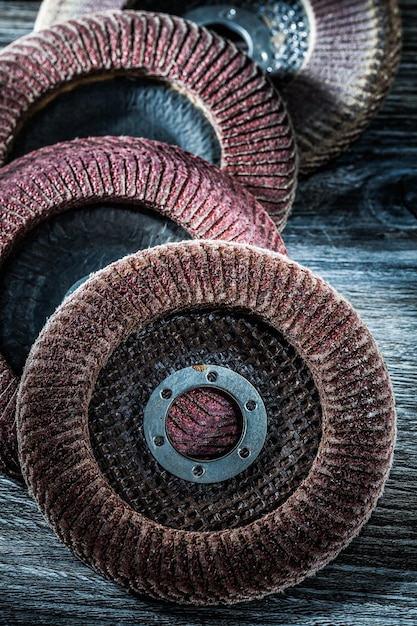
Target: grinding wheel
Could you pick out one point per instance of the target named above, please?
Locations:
(333, 62)
(137, 73)
(70, 209)
(246, 545)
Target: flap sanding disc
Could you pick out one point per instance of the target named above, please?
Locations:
(269, 550)
(333, 61)
(146, 74)
(70, 209)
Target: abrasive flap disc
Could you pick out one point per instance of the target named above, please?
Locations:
(309, 422)
(149, 74)
(333, 61)
(70, 209)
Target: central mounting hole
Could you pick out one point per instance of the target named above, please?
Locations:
(204, 424)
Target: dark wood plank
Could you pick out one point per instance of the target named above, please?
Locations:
(355, 224)
(16, 19)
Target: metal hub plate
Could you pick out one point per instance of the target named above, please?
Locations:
(275, 34)
(252, 436)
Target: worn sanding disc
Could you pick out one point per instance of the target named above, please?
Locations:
(71, 209)
(220, 561)
(143, 74)
(333, 62)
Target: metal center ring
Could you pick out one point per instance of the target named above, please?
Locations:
(276, 35)
(254, 423)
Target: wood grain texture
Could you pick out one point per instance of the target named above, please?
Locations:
(355, 224)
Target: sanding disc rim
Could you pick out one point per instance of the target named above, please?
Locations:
(347, 82)
(279, 550)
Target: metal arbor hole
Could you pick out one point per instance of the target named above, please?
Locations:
(233, 34)
(247, 438)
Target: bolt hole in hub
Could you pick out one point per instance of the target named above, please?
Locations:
(205, 423)
(276, 35)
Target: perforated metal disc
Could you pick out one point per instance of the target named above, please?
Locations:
(108, 313)
(333, 62)
(276, 35)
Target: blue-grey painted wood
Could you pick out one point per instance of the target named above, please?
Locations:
(355, 224)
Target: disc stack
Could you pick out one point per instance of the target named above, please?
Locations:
(199, 418)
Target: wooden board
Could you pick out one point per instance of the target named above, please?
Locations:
(355, 224)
